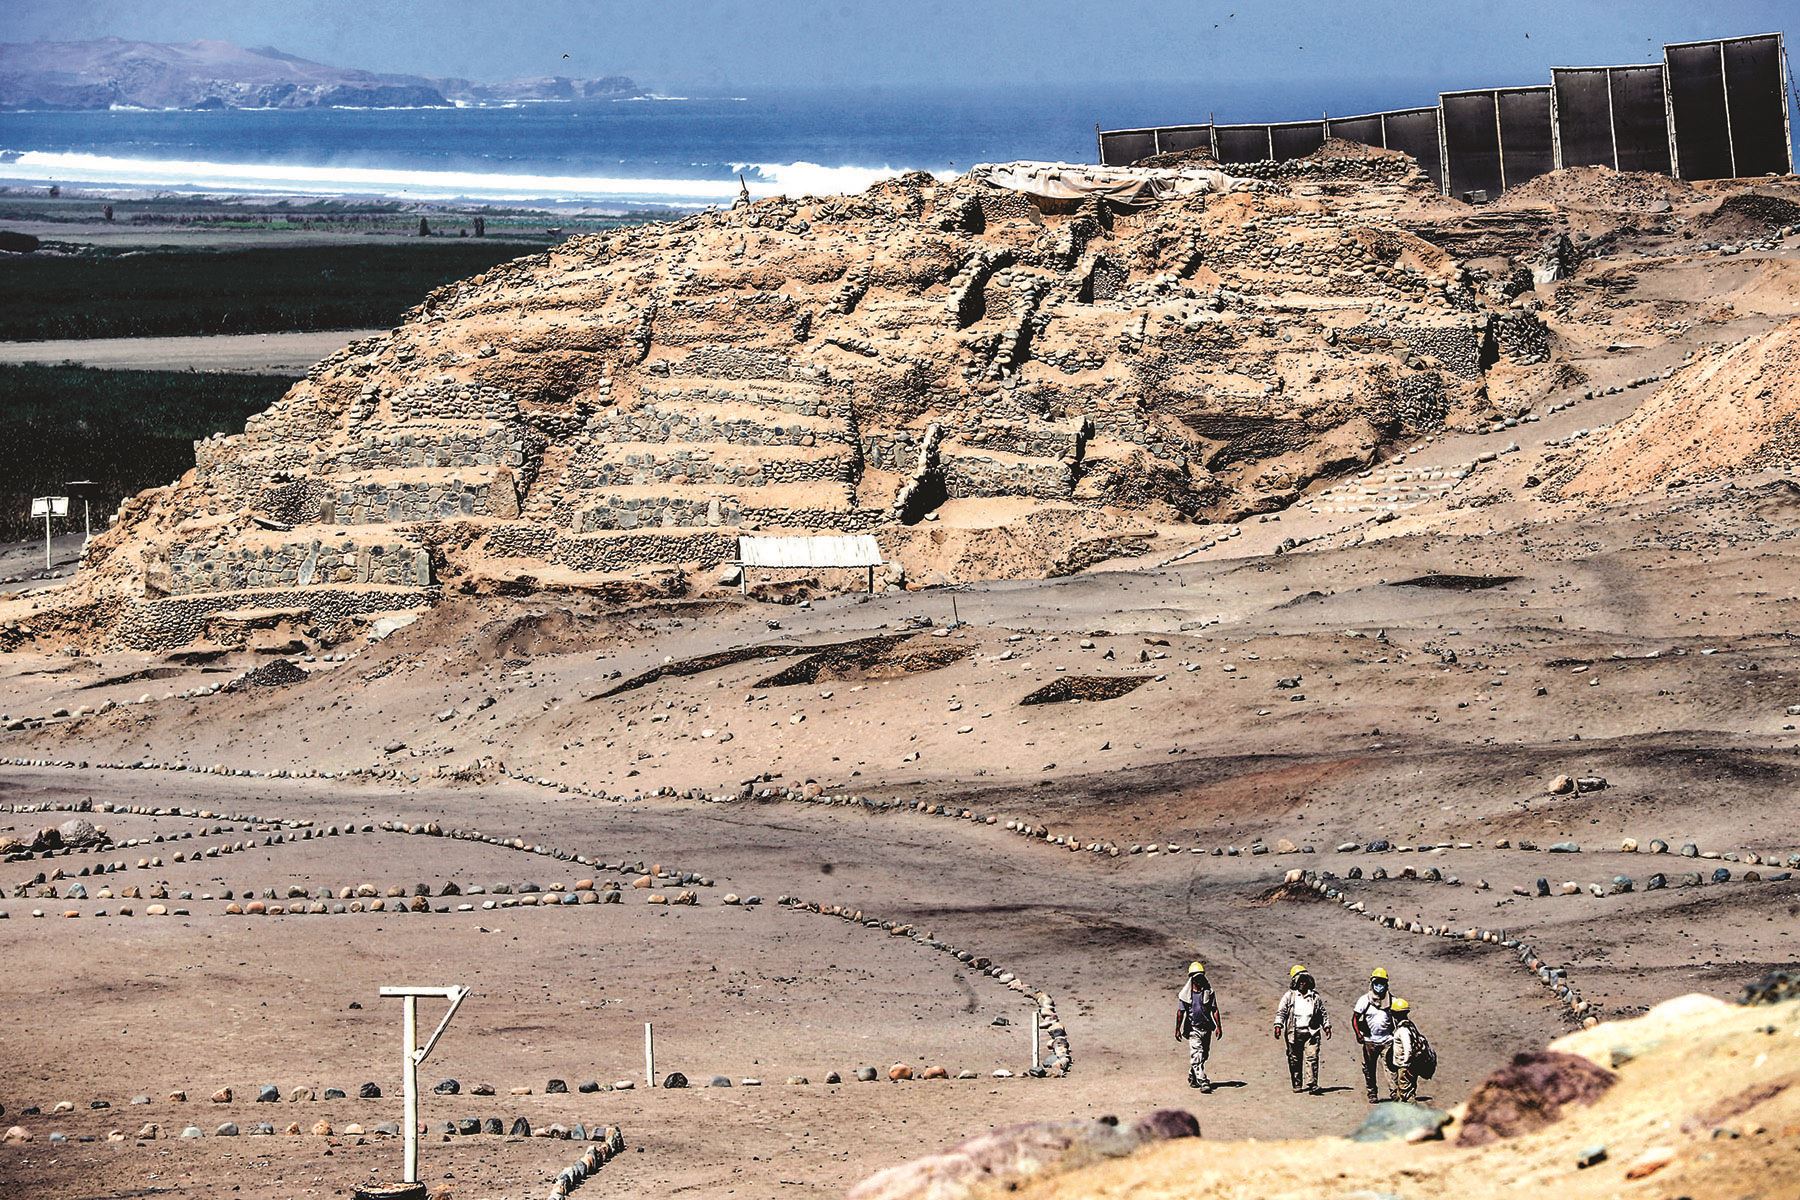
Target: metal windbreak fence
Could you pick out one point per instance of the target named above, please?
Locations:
(1710, 110)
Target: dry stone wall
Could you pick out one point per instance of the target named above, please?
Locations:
(634, 399)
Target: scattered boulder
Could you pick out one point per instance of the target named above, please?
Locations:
(1004, 1158)
(1401, 1122)
(1529, 1093)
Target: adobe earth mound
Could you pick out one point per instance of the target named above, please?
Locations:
(1044, 368)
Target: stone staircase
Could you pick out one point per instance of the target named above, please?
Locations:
(1389, 491)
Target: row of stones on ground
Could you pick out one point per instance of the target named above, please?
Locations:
(155, 861)
(216, 769)
(520, 1127)
(1282, 845)
(507, 895)
(813, 795)
(270, 1093)
(1619, 884)
(1059, 1060)
(105, 844)
(418, 904)
(420, 828)
(577, 1172)
(1628, 845)
(1554, 979)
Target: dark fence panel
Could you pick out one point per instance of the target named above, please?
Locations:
(1754, 87)
(1709, 110)
(1415, 130)
(1471, 142)
(1362, 130)
(1297, 140)
(1583, 116)
(1186, 137)
(1123, 147)
(1242, 143)
(1526, 147)
(1640, 118)
(1697, 96)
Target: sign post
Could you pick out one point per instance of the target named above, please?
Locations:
(47, 507)
(85, 489)
(412, 1055)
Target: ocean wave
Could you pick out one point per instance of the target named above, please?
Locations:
(810, 179)
(763, 179)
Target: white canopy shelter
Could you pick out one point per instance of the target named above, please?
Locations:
(808, 553)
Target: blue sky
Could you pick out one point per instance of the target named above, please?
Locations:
(1227, 46)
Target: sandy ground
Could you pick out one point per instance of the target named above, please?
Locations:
(1424, 715)
(244, 353)
(1321, 695)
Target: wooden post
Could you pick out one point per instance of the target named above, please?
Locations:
(409, 1066)
(649, 1056)
(1037, 1063)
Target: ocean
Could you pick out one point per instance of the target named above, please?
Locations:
(664, 152)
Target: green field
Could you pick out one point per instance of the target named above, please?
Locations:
(127, 430)
(162, 293)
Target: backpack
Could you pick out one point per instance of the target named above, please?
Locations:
(1424, 1059)
(1199, 1011)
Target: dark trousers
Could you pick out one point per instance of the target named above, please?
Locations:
(1303, 1059)
(1374, 1058)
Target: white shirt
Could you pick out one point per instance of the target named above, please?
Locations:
(1378, 1022)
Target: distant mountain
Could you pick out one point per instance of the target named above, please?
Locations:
(112, 72)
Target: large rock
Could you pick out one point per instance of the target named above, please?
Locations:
(79, 831)
(1401, 1122)
(1006, 1157)
(1529, 1093)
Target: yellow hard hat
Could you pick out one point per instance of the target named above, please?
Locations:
(1378, 973)
(1196, 968)
(1296, 969)
(1400, 1005)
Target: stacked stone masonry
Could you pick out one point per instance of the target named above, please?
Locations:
(635, 399)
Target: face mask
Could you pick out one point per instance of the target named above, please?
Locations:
(1378, 986)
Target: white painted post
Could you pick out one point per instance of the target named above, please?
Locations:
(409, 1065)
(1037, 1063)
(46, 537)
(412, 1054)
(649, 1056)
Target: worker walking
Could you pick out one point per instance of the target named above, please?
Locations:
(1197, 1022)
(1405, 1052)
(1301, 1020)
(1373, 1024)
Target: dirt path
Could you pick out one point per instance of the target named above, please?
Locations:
(246, 353)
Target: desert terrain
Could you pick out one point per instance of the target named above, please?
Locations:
(1498, 693)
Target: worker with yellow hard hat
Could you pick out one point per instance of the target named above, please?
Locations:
(1409, 1055)
(1302, 1022)
(1373, 1023)
(1197, 1023)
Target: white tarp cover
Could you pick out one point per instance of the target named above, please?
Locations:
(1121, 185)
(847, 550)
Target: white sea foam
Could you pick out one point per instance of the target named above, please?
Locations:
(764, 179)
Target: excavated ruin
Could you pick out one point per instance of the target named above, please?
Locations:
(1046, 378)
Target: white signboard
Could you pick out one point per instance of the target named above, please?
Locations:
(52, 506)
